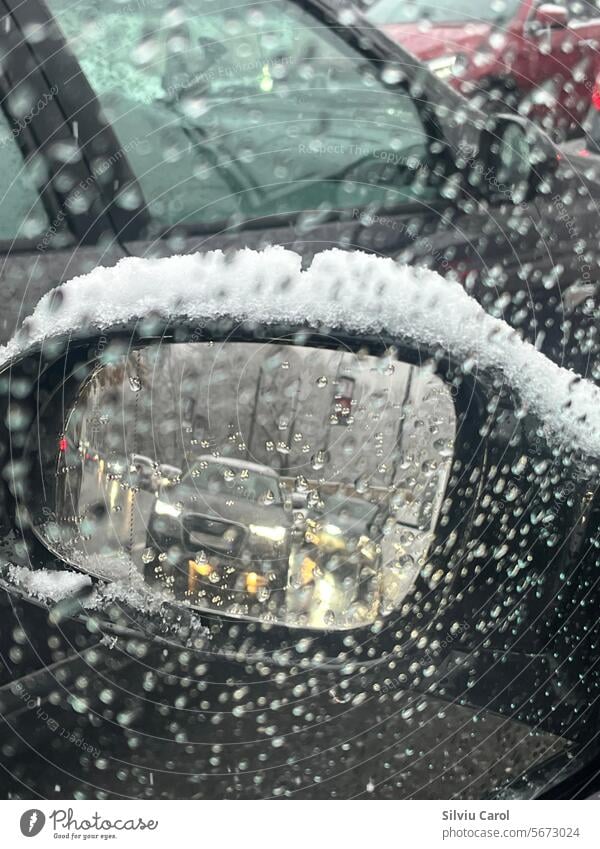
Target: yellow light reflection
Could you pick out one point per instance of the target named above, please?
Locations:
(195, 572)
(266, 81)
(113, 494)
(254, 582)
(307, 569)
(200, 568)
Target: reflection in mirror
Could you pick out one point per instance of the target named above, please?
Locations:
(288, 484)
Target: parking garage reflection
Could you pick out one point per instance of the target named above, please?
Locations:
(286, 483)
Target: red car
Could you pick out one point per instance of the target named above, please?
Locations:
(593, 122)
(539, 58)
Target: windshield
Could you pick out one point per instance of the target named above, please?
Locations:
(395, 12)
(245, 483)
(226, 122)
(349, 510)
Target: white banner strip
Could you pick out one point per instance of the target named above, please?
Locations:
(305, 825)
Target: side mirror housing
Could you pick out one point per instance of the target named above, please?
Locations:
(222, 559)
(514, 159)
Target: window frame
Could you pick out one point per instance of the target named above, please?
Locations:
(61, 120)
(24, 141)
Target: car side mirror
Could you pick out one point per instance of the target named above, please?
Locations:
(442, 395)
(515, 158)
(551, 15)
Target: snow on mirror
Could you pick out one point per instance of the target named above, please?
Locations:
(288, 484)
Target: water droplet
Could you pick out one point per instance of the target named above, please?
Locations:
(319, 460)
(391, 75)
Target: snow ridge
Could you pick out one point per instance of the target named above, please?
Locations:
(355, 291)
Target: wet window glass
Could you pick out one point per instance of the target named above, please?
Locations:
(315, 514)
(22, 214)
(237, 113)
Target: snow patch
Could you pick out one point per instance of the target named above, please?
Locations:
(46, 584)
(131, 591)
(355, 291)
(56, 585)
(109, 567)
(121, 581)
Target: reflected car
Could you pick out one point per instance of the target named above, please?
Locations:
(143, 468)
(134, 470)
(346, 524)
(340, 556)
(222, 513)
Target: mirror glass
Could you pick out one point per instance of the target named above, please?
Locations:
(288, 484)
